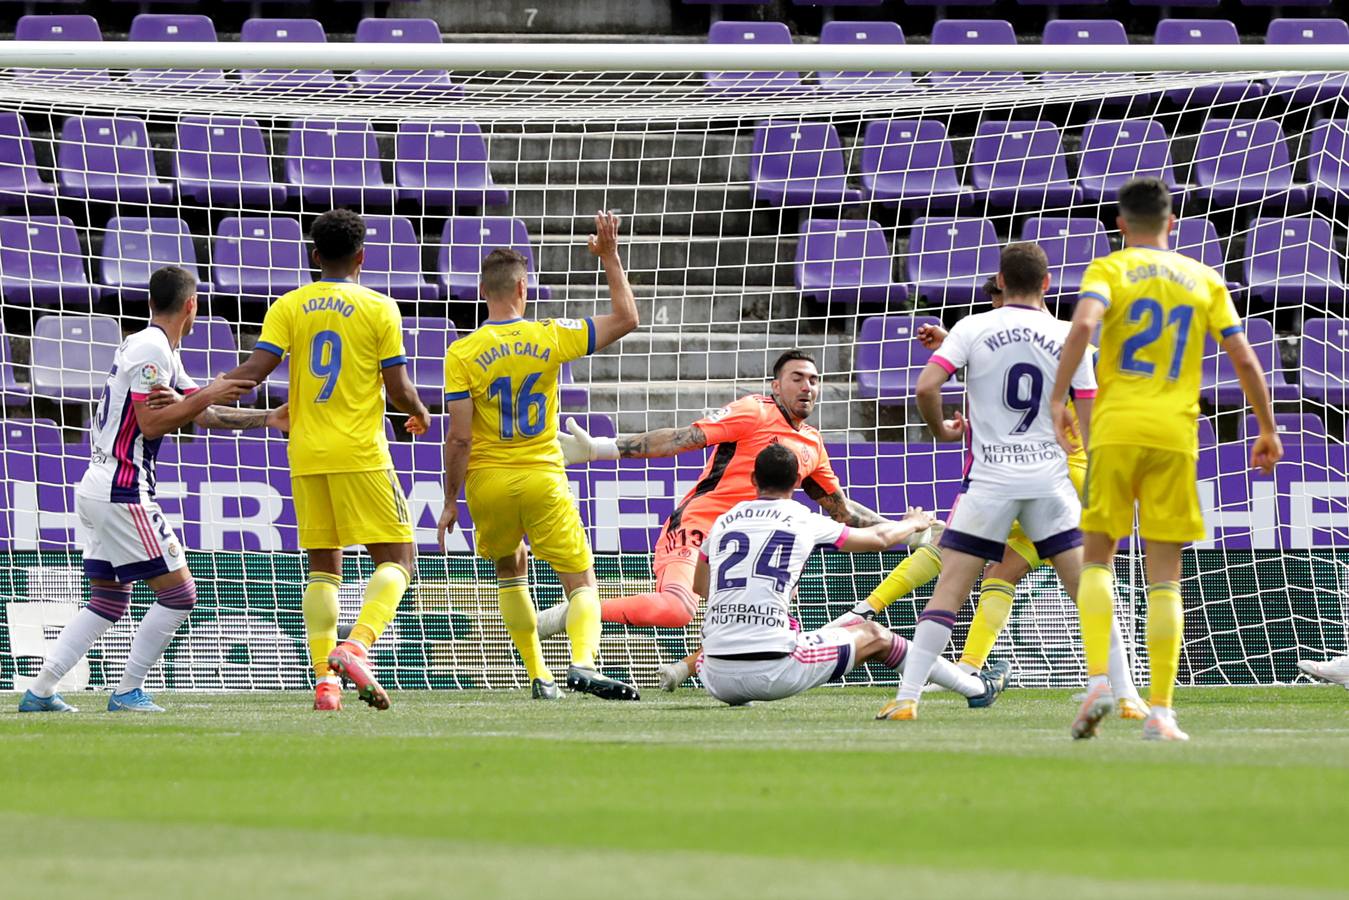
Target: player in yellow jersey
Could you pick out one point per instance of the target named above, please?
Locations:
(997, 592)
(501, 397)
(346, 348)
(1155, 308)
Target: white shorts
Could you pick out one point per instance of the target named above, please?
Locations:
(981, 520)
(819, 656)
(125, 542)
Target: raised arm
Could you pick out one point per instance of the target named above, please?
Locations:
(928, 392)
(838, 507)
(579, 446)
(400, 390)
(1086, 317)
(458, 443)
(622, 317)
(1267, 449)
(886, 534)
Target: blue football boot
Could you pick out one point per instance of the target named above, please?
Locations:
(134, 700)
(33, 703)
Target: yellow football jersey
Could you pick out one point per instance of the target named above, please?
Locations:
(340, 336)
(510, 369)
(1159, 307)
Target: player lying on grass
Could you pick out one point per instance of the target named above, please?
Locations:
(346, 343)
(501, 397)
(122, 533)
(738, 431)
(1155, 308)
(753, 558)
(997, 591)
(1017, 472)
(1331, 671)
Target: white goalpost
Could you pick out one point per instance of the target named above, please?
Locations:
(831, 198)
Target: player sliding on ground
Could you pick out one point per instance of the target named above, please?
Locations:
(739, 431)
(997, 591)
(1017, 471)
(501, 397)
(1155, 307)
(346, 347)
(752, 648)
(122, 533)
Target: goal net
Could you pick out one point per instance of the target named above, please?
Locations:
(833, 211)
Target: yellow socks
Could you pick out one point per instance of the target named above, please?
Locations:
(995, 606)
(583, 626)
(385, 588)
(320, 618)
(517, 611)
(1166, 628)
(920, 567)
(1096, 609)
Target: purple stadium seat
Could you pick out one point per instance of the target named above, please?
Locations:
(1207, 436)
(570, 395)
(467, 240)
(425, 339)
(1071, 244)
(1309, 88)
(1197, 238)
(20, 184)
(1087, 32)
(444, 164)
(846, 261)
(277, 386)
(908, 163)
(799, 164)
(72, 356)
(332, 163)
(60, 28)
(41, 263)
(259, 258)
(210, 350)
(175, 27)
(401, 31)
(27, 435)
(890, 358)
(1328, 160)
(223, 162)
(1299, 428)
(1204, 31)
(951, 258)
(133, 248)
(1294, 261)
(1324, 371)
(839, 32)
(728, 32)
(720, 2)
(12, 391)
(1219, 384)
(308, 31)
(1020, 164)
(108, 159)
(974, 31)
(1179, 3)
(1115, 151)
(1282, 3)
(393, 260)
(1245, 161)
(838, 2)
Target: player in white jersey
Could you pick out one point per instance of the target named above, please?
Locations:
(123, 535)
(1016, 470)
(751, 560)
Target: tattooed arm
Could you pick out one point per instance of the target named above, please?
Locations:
(236, 419)
(839, 508)
(661, 442)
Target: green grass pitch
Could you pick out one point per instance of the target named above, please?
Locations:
(483, 795)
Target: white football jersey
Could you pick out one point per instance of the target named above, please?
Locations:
(755, 553)
(1010, 356)
(122, 469)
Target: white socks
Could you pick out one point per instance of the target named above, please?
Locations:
(75, 640)
(1121, 676)
(954, 678)
(152, 639)
(930, 638)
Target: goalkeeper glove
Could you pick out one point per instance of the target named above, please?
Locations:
(579, 447)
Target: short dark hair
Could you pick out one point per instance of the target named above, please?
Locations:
(338, 235)
(1023, 267)
(776, 469)
(502, 270)
(170, 287)
(1145, 202)
(792, 356)
(991, 287)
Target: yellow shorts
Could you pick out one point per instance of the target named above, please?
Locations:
(510, 504)
(339, 509)
(1023, 546)
(1164, 482)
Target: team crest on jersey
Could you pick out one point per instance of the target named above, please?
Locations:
(173, 549)
(570, 324)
